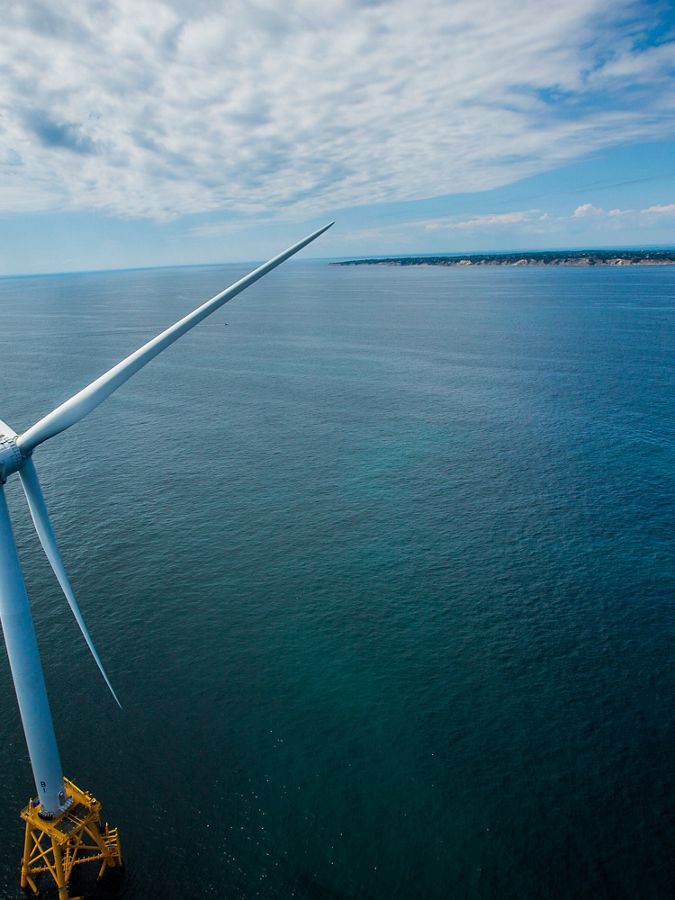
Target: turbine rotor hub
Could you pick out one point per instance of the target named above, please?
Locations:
(11, 458)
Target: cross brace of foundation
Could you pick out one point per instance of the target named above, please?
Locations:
(53, 847)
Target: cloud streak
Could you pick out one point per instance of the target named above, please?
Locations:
(660, 209)
(519, 224)
(162, 109)
(485, 221)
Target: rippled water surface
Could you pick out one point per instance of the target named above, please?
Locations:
(380, 564)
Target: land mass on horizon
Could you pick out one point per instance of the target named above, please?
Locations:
(529, 258)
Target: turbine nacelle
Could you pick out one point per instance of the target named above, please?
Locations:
(11, 458)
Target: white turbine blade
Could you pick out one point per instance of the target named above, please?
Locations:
(88, 398)
(38, 511)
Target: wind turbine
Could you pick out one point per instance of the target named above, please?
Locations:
(62, 824)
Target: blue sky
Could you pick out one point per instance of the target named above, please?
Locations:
(160, 133)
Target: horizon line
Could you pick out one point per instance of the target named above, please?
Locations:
(449, 253)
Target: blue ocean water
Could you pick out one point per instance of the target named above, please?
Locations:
(380, 563)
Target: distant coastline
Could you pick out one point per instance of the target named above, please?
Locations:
(533, 258)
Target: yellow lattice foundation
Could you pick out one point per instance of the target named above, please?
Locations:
(55, 846)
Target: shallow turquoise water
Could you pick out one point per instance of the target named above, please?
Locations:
(380, 563)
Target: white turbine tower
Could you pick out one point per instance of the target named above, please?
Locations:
(51, 845)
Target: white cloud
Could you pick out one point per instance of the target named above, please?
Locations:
(484, 221)
(586, 210)
(661, 210)
(530, 221)
(161, 109)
